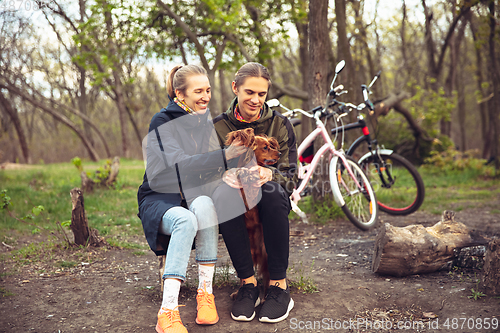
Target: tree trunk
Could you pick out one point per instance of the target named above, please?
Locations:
(495, 78)
(363, 40)
(436, 67)
(225, 98)
(461, 108)
(449, 86)
(119, 94)
(415, 249)
(214, 103)
(303, 31)
(122, 112)
(82, 103)
(318, 68)
(491, 269)
(348, 75)
(403, 39)
(479, 75)
(458, 82)
(5, 105)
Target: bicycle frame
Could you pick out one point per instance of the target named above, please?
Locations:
(371, 152)
(366, 134)
(305, 172)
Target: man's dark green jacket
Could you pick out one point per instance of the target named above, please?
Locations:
(273, 124)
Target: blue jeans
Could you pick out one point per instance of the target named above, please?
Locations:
(183, 226)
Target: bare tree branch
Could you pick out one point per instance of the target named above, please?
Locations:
(191, 35)
(289, 91)
(92, 152)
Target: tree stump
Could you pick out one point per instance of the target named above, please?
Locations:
(87, 183)
(415, 249)
(101, 177)
(113, 173)
(491, 269)
(79, 224)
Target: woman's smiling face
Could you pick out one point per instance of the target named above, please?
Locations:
(251, 96)
(197, 94)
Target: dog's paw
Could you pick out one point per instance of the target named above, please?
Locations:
(247, 176)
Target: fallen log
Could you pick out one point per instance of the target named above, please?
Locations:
(470, 257)
(491, 270)
(402, 251)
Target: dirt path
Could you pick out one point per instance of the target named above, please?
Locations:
(117, 291)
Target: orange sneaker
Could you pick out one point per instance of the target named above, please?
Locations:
(207, 313)
(169, 321)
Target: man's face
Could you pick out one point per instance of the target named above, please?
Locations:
(251, 96)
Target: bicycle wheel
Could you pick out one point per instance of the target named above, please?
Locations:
(400, 188)
(358, 201)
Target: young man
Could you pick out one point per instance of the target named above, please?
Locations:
(249, 110)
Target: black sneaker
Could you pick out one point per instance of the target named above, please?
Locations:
(246, 301)
(277, 305)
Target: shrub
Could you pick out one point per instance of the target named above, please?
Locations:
(451, 160)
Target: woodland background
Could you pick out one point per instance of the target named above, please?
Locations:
(83, 78)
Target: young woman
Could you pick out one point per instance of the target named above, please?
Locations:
(172, 199)
(248, 109)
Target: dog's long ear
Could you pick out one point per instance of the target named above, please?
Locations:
(248, 131)
(248, 138)
(231, 136)
(274, 143)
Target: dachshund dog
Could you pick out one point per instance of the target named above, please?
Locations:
(266, 151)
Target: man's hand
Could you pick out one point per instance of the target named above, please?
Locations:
(265, 175)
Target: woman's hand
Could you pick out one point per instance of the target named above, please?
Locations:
(235, 149)
(231, 179)
(265, 174)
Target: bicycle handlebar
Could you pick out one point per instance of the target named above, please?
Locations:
(342, 110)
(366, 91)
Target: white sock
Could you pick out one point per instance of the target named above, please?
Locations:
(171, 288)
(206, 274)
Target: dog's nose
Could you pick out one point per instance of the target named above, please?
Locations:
(279, 153)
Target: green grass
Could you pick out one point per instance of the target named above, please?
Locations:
(301, 280)
(458, 190)
(111, 211)
(322, 211)
(446, 190)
